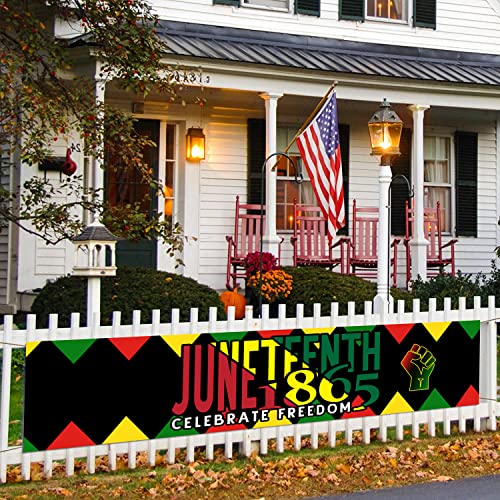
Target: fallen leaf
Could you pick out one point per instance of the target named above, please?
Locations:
(344, 469)
(442, 479)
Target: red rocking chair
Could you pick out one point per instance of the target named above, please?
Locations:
(310, 241)
(244, 240)
(363, 258)
(436, 261)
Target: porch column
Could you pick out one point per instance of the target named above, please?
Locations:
(419, 243)
(271, 240)
(98, 170)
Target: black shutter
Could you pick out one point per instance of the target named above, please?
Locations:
(344, 154)
(308, 7)
(236, 3)
(401, 165)
(466, 183)
(256, 154)
(353, 10)
(424, 13)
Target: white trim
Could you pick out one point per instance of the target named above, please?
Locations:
(498, 177)
(407, 8)
(256, 78)
(495, 5)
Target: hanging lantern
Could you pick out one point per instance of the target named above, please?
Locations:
(385, 128)
(195, 144)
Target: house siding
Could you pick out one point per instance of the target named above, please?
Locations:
(38, 261)
(5, 173)
(469, 26)
(223, 176)
(476, 254)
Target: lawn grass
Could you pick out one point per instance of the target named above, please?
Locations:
(282, 476)
(16, 409)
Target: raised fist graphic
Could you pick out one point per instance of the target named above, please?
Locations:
(419, 363)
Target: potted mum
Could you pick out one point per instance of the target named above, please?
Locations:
(274, 287)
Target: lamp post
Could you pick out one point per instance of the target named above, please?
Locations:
(298, 178)
(94, 258)
(385, 128)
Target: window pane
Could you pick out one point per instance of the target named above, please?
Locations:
(437, 160)
(443, 195)
(168, 190)
(437, 177)
(281, 4)
(386, 9)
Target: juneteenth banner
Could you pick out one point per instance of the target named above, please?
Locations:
(102, 391)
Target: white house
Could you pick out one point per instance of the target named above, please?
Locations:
(264, 65)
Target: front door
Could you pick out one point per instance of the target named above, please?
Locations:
(125, 186)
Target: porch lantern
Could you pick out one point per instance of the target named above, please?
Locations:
(195, 144)
(94, 257)
(385, 128)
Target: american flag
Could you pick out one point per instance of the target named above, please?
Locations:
(319, 148)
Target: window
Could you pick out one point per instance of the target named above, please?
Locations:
(276, 4)
(421, 13)
(387, 9)
(169, 175)
(307, 7)
(437, 177)
(287, 190)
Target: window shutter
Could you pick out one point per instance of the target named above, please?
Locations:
(308, 7)
(401, 165)
(466, 183)
(236, 3)
(344, 154)
(256, 154)
(424, 13)
(353, 10)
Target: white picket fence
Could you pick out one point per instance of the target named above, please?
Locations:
(483, 415)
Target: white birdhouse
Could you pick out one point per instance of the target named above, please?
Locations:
(95, 252)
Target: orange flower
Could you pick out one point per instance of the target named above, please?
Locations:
(276, 284)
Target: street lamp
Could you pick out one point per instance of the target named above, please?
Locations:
(385, 128)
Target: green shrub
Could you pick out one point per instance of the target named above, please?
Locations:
(491, 285)
(131, 289)
(446, 285)
(317, 285)
(17, 361)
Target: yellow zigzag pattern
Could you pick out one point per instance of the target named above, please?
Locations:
(437, 328)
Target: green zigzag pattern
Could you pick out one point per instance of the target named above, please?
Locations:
(167, 431)
(367, 328)
(73, 349)
(434, 401)
(228, 336)
(27, 446)
(471, 328)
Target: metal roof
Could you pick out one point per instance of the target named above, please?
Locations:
(323, 54)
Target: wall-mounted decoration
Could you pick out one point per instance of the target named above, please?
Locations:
(51, 164)
(69, 166)
(62, 164)
(101, 391)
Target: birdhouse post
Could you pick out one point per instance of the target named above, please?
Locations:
(94, 258)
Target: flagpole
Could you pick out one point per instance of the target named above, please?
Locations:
(312, 115)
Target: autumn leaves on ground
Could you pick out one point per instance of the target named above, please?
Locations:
(293, 474)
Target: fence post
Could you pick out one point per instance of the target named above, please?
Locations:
(5, 396)
(491, 353)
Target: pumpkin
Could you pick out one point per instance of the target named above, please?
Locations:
(233, 298)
